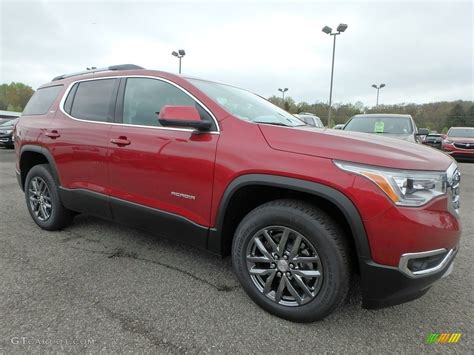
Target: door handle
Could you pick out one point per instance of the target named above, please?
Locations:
(53, 134)
(120, 141)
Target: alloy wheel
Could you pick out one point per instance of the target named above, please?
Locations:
(40, 199)
(284, 265)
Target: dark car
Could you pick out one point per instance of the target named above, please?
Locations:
(310, 119)
(302, 211)
(434, 140)
(459, 143)
(6, 131)
(401, 127)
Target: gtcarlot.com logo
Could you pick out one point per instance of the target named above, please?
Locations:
(50, 341)
(443, 338)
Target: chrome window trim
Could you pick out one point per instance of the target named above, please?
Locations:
(66, 93)
(405, 258)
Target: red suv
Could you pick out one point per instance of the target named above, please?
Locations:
(301, 210)
(459, 143)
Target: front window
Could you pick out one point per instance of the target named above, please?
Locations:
(246, 105)
(144, 98)
(380, 124)
(461, 132)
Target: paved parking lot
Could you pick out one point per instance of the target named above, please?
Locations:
(98, 286)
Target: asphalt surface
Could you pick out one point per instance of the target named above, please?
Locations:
(98, 286)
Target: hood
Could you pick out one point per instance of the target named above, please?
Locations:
(460, 139)
(355, 147)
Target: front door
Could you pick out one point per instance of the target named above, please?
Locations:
(160, 178)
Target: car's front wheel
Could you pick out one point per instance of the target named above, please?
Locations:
(292, 259)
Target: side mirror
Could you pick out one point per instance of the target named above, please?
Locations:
(423, 132)
(182, 116)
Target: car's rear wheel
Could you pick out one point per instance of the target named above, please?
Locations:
(292, 260)
(43, 201)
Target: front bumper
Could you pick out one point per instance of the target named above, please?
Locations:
(384, 286)
(458, 153)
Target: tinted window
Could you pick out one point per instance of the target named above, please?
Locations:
(93, 100)
(70, 99)
(144, 97)
(42, 100)
(380, 124)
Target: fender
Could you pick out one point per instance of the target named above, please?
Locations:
(336, 197)
(44, 152)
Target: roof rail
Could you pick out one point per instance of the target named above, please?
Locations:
(112, 67)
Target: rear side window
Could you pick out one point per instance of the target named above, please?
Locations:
(93, 100)
(42, 100)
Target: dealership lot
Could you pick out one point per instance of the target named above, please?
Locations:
(98, 286)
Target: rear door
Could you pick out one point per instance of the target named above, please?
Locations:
(166, 173)
(79, 141)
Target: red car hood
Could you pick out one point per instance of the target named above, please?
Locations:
(356, 147)
(460, 139)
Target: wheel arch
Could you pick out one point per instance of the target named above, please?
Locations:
(271, 186)
(31, 155)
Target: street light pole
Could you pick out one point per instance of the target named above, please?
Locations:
(332, 76)
(283, 93)
(179, 54)
(328, 30)
(378, 90)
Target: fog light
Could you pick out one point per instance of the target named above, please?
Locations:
(420, 264)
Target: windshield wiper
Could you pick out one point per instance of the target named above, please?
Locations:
(274, 123)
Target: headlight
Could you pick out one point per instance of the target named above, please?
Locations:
(9, 131)
(447, 141)
(403, 187)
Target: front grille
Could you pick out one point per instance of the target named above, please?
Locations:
(464, 145)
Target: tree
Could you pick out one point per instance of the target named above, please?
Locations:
(456, 117)
(14, 96)
(470, 117)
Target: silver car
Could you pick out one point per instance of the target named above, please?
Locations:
(389, 125)
(310, 119)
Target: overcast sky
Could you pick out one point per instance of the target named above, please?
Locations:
(422, 51)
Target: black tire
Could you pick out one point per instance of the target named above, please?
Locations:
(59, 216)
(319, 230)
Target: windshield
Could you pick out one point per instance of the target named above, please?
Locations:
(461, 132)
(246, 105)
(380, 124)
(9, 123)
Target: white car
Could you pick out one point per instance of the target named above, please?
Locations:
(310, 119)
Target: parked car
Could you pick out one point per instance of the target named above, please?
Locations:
(402, 127)
(300, 210)
(6, 130)
(339, 126)
(459, 143)
(433, 139)
(310, 119)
